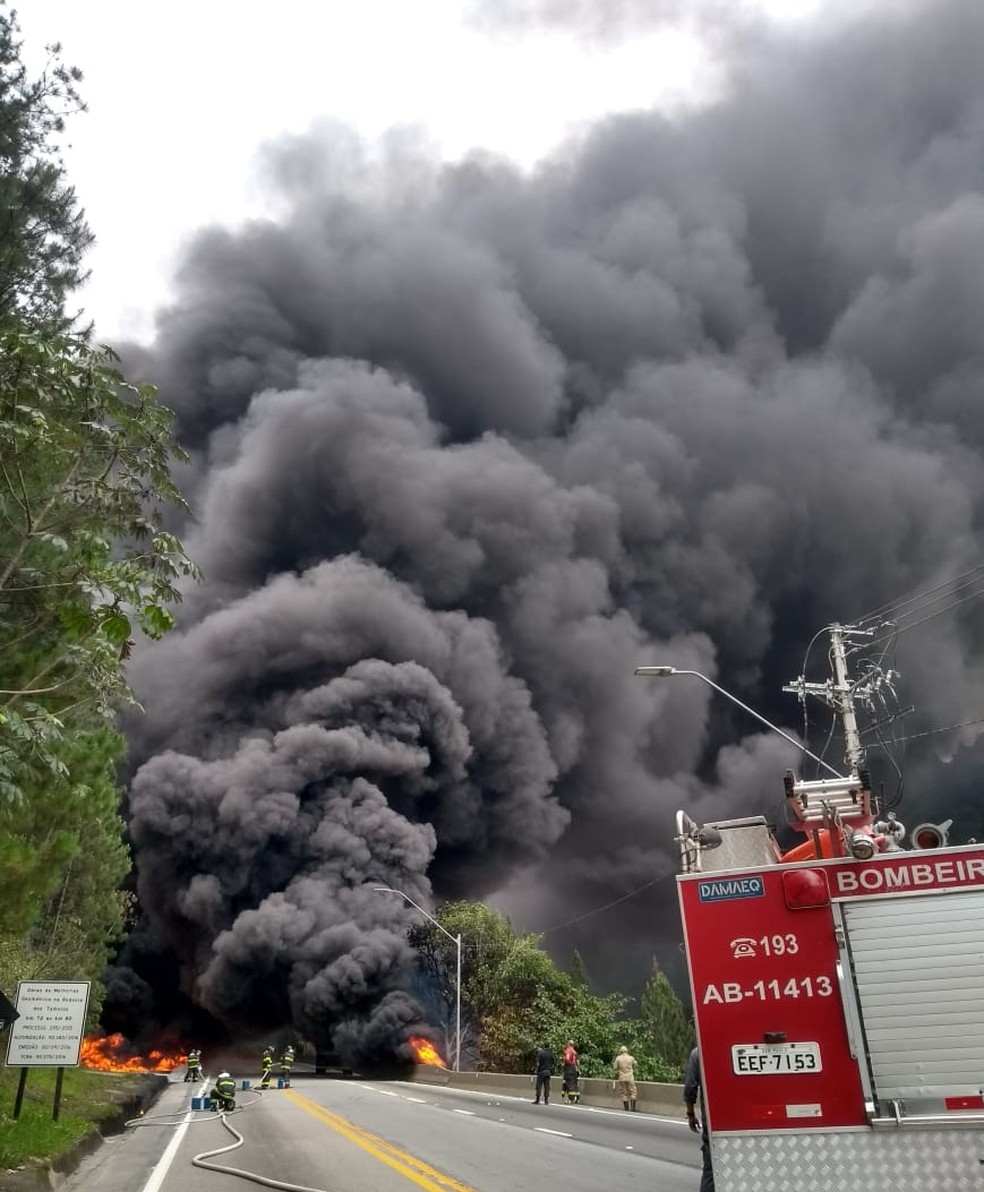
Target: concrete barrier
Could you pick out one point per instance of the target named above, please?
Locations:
(663, 1100)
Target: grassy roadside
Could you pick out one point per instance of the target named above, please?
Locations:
(88, 1099)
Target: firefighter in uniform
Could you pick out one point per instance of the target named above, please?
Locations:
(224, 1093)
(693, 1087)
(625, 1078)
(267, 1065)
(569, 1090)
(194, 1065)
(286, 1063)
(543, 1064)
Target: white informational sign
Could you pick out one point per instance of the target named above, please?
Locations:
(48, 1033)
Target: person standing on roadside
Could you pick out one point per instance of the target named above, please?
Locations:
(625, 1085)
(541, 1074)
(693, 1087)
(570, 1091)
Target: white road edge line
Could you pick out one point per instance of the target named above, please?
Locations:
(642, 1117)
(416, 1100)
(544, 1130)
(466, 1112)
(497, 1098)
(164, 1162)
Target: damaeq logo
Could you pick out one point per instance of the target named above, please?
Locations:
(734, 887)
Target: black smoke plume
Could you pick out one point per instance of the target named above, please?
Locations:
(470, 443)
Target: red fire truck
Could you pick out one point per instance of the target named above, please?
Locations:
(838, 992)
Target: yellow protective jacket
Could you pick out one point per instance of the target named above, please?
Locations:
(625, 1068)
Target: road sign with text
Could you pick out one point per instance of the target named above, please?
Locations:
(48, 1030)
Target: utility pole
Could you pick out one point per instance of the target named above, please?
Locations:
(844, 696)
(838, 694)
(457, 1009)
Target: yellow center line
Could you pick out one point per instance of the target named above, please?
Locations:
(408, 1165)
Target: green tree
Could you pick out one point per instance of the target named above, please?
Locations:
(43, 232)
(85, 560)
(35, 847)
(666, 1027)
(529, 1006)
(486, 939)
(579, 971)
(569, 1012)
(61, 907)
(515, 999)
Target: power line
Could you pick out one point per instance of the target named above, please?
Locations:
(947, 729)
(608, 905)
(932, 617)
(945, 595)
(895, 607)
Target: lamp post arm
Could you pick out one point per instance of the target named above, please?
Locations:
(417, 906)
(660, 671)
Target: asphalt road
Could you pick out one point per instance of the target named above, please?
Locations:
(363, 1136)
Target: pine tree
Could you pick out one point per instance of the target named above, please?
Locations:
(670, 1032)
(579, 971)
(62, 859)
(43, 232)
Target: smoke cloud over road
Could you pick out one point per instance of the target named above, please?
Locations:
(468, 444)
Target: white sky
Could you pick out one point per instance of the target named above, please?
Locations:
(181, 95)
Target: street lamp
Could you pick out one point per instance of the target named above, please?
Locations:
(662, 672)
(457, 943)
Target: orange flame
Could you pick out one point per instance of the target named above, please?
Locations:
(425, 1052)
(112, 1053)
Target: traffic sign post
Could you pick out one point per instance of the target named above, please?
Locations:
(47, 1031)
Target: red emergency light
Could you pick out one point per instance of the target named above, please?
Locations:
(805, 888)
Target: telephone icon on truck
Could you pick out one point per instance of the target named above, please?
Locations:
(742, 947)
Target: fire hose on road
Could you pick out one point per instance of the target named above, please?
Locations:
(201, 1159)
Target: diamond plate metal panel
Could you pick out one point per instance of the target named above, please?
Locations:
(907, 1160)
(745, 844)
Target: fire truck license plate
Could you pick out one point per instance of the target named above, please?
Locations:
(758, 1059)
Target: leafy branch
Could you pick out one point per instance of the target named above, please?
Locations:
(86, 559)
